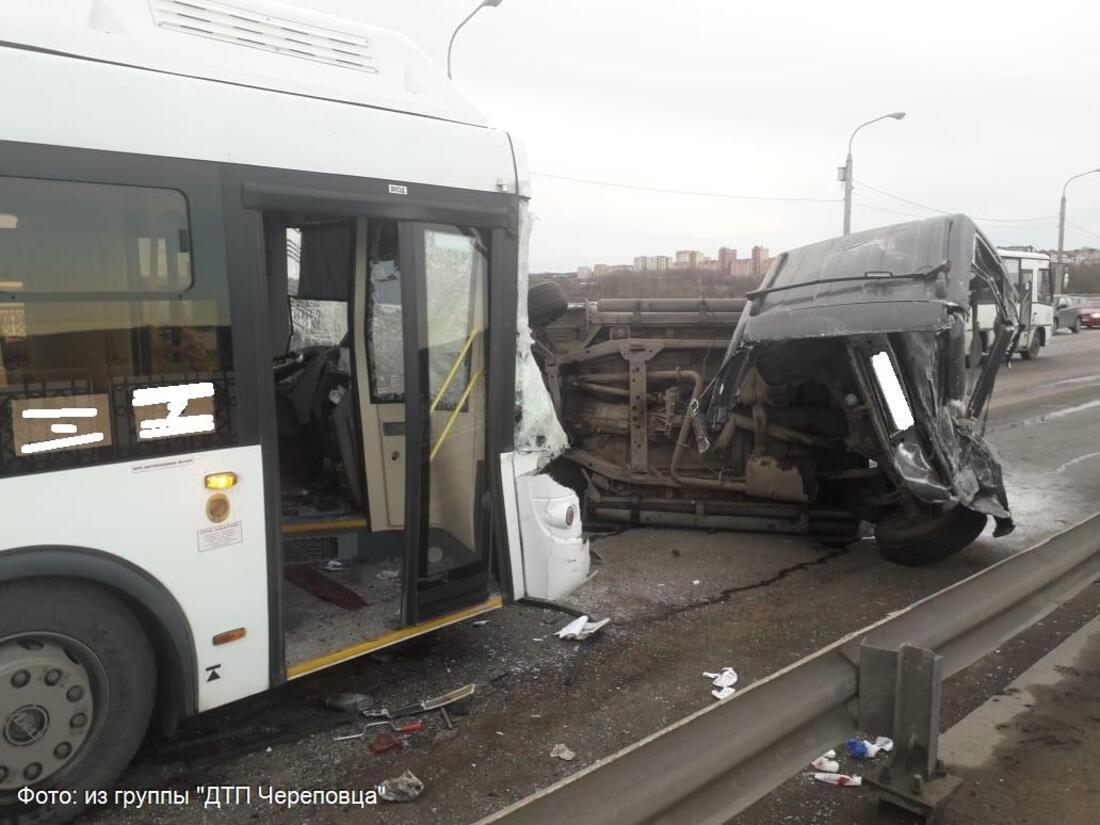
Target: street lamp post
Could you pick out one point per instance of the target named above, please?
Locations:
(846, 172)
(1060, 281)
(467, 19)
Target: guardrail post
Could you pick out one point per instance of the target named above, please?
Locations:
(900, 692)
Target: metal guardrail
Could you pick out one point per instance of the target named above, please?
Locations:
(713, 764)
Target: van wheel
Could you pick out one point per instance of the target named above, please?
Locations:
(546, 303)
(77, 685)
(1032, 351)
(913, 542)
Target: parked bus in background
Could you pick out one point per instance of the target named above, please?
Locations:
(1030, 272)
(262, 308)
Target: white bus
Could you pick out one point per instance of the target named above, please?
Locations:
(1031, 274)
(267, 400)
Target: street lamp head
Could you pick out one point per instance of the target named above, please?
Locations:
(896, 115)
(466, 20)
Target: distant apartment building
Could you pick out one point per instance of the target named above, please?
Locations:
(689, 259)
(651, 263)
(759, 256)
(585, 273)
(727, 257)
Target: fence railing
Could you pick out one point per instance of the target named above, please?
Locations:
(713, 764)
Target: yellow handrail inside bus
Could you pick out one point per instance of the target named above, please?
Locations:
(454, 414)
(454, 367)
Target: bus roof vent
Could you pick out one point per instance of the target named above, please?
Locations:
(245, 27)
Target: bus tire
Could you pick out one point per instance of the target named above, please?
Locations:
(546, 303)
(77, 688)
(1032, 351)
(914, 542)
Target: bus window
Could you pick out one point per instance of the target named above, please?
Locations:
(98, 303)
(1045, 286)
(385, 345)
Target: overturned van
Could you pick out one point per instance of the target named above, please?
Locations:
(846, 394)
(846, 382)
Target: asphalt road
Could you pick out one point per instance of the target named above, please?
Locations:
(681, 602)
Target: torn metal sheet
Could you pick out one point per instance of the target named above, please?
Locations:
(537, 427)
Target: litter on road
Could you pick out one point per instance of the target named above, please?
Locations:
(580, 628)
(439, 703)
(825, 765)
(723, 681)
(862, 749)
(404, 788)
(384, 742)
(560, 751)
(726, 677)
(843, 779)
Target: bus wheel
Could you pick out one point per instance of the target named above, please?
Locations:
(912, 541)
(77, 685)
(1032, 351)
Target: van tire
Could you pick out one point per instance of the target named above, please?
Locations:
(914, 542)
(546, 303)
(92, 648)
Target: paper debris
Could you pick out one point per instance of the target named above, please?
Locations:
(726, 677)
(580, 628)
(723, 693)
(404, 788)
(839, 779)
(825, 765)
(862, 749)
(560, 751)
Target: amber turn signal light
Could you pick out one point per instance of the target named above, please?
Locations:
(221, 481)
(230, 636)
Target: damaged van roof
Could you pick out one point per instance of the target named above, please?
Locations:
(911, 272)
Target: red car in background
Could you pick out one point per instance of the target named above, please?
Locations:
(1090, 315)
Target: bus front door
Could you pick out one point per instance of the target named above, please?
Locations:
(447, 529)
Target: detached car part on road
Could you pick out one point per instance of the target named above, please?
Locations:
(843, 396)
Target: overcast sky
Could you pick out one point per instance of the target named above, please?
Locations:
(759, 98)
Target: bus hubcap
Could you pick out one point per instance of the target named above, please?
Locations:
(46, 710)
